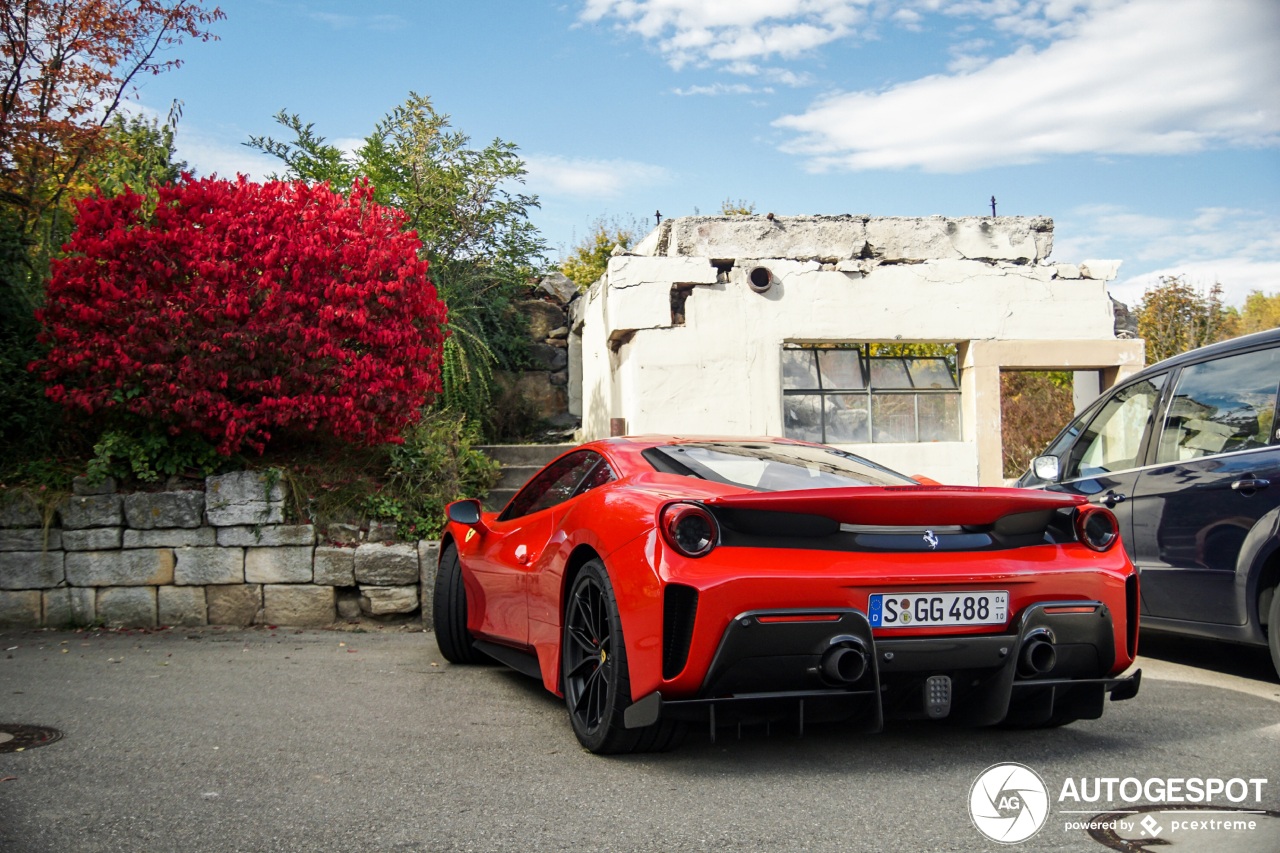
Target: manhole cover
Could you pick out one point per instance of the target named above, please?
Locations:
(16, 736)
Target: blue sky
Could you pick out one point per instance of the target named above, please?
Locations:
(1149, 130)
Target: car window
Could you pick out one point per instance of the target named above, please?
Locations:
(1113, 439)
(553, 485)
(772, 467)
(1221, 406)
(599, 475)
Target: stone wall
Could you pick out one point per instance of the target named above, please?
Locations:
(221, 555)
(543, 384)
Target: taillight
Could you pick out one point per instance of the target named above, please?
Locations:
(689, 529)
(1096, 527)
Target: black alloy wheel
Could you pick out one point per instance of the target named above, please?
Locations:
(597, 684)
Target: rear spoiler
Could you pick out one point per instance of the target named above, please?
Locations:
(903, 506)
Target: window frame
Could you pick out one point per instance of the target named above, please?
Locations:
(870, 391)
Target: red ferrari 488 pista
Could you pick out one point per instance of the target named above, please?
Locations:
(657, 582)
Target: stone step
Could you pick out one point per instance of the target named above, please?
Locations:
(535, 455)
(515, 476)
(498, 498)
(519, 463)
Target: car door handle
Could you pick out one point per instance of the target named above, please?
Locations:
(1250, 486)
(1110, 499)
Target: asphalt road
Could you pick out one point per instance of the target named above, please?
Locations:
(260, 740)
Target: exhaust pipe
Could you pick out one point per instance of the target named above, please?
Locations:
(844, 665)
(1038, 657)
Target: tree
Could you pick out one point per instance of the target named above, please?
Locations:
(588, 260)
(1175, 317)
(68, 66)
(474, 226)
(138, 154)
(235, 312)
(1034, 405)
(1260, 312)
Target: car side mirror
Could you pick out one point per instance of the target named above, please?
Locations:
(1046, 468)
(465, 512)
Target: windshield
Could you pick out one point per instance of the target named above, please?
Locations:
(768, 467)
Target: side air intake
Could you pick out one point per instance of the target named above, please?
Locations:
(679, 606)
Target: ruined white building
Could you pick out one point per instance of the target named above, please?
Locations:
(749, 325)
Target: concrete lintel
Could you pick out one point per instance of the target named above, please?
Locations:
(1127, 355)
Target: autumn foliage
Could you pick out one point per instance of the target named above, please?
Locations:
(67, 67)
(239, 311)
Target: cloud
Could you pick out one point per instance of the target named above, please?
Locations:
(209, 155)
(701, 31)
(592, 179)
(1238, 276)
(781, 76)
(1238, 248)
(722, 89)
(1138, 77)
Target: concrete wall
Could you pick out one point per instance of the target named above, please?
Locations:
(217, 556)
(674, 340)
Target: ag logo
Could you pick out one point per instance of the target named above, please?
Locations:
(1008, 803)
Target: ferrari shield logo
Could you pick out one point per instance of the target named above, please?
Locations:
(931, 539)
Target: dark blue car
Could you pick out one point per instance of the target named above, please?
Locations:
(1187, 455)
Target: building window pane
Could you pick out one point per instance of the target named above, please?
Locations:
(846, 418)
(939, 417)
(841, 369)
(889, 373)
(798, 369)
(931, 373)
(893, 417)
(802, 417)
(840, 394)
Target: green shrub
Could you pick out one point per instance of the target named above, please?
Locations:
(148, 455)
(437, 464)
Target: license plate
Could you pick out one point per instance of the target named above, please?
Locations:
(927, 609)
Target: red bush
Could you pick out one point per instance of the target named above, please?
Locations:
(236, 310)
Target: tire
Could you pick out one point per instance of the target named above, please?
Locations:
(449, 610)
(1273, 629)
(596, 678)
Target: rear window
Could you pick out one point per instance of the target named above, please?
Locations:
(770, 467)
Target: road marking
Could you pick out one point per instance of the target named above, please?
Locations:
(1162, 670)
